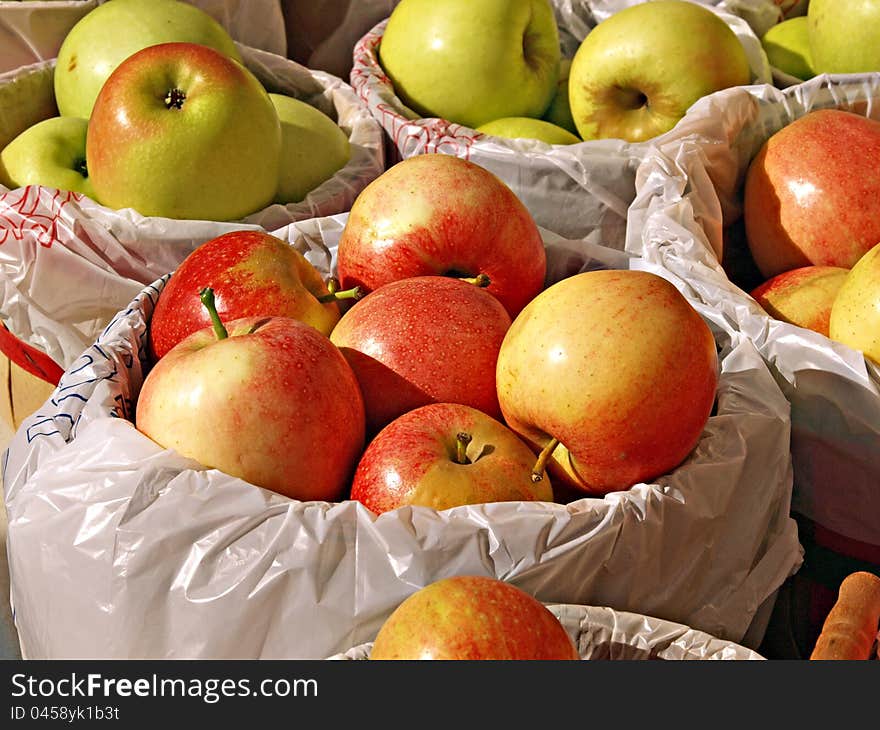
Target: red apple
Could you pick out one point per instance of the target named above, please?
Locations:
(273, 403)
(612, 374)
(438, 214)
(472, 618)
(421, 340)
(252, 274)
(802, 296)
(445, 455)
(811, 193)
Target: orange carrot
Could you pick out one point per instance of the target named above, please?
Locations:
(850, 629)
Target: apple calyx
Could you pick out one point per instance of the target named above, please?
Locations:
(462, 439)
(206, 296)
(543, 458)
(174, 99)
(630, 99)
(333, 293)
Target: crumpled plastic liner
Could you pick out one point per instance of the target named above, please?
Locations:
(578, 191)
(677, 222)
(119, 548)
(34, 31)
(600, 633)
(68, 264)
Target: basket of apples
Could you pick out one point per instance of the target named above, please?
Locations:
(559, 106)
(268, 450)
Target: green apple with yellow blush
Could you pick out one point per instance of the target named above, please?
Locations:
(528, 128)
(855, 315)
(787, 45)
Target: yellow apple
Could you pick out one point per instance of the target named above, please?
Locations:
(855, 316)
(528, 128)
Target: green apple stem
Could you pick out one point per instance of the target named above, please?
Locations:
(207, 297)
(543, 458)
(480, 280)
(333, 293)
(462, 440)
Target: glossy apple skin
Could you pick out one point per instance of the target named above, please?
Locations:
(216, 157)
(811, 193)
(412, 461)
(855, 315)
(252, 274)
(426, 339)
(802, 296)
(433, 214)
(472, 618)
(619, 367)
(275, 404)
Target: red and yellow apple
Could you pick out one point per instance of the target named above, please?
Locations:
(446, 455)
(802, 296)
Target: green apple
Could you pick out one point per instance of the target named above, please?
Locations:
(181, 131)
(637, 72)
(528, 128)
(50, 153)
(114, 30)
(787, 45)
(559, 111)
(855, 314)
(844, 36)
(472, 61)
(313, 148)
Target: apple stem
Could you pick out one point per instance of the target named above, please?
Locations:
(543, 458)
(207, 297)
(462, 440)
(480, 280)
(333, 293)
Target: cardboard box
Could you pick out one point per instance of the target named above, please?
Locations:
(21, 393)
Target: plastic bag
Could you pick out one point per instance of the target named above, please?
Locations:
(119, 548)
(678, 221)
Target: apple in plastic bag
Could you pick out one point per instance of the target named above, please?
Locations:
(51, 153)
(612, 375)
(182, 131)
(528, 128)
(472, 618)
(114, 30)
(313, 148)
(803, 296)
(267, 399)
(446, 455)
(421, 340)
(638, 71)
(843, 36)
(855, 315)
(811, 193)
(438, 214)
(471, 61)
(252, 273)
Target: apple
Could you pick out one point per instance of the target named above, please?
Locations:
(421, 340)
(472, 61)
(855, 314)
(313, 148)
(559, 111)
(811, 193)
(252, 273)
(612, 375)
(438, 214)
(267, 399)
(51, 153)
(471, 617)
(802, 296)
(843, 36)
(114, 30)
(445, 455)
(637, 72)
(182, 131)
(787, 45)
(528, 128)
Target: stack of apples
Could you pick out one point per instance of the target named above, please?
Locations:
(436, 369)
(496, 66)
(810, 211)
(158, 113)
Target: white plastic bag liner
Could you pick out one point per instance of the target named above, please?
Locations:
(578, 191)
(33, 30)
(600, 632)
(677, 221)
(68, 264)
(119, 548)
